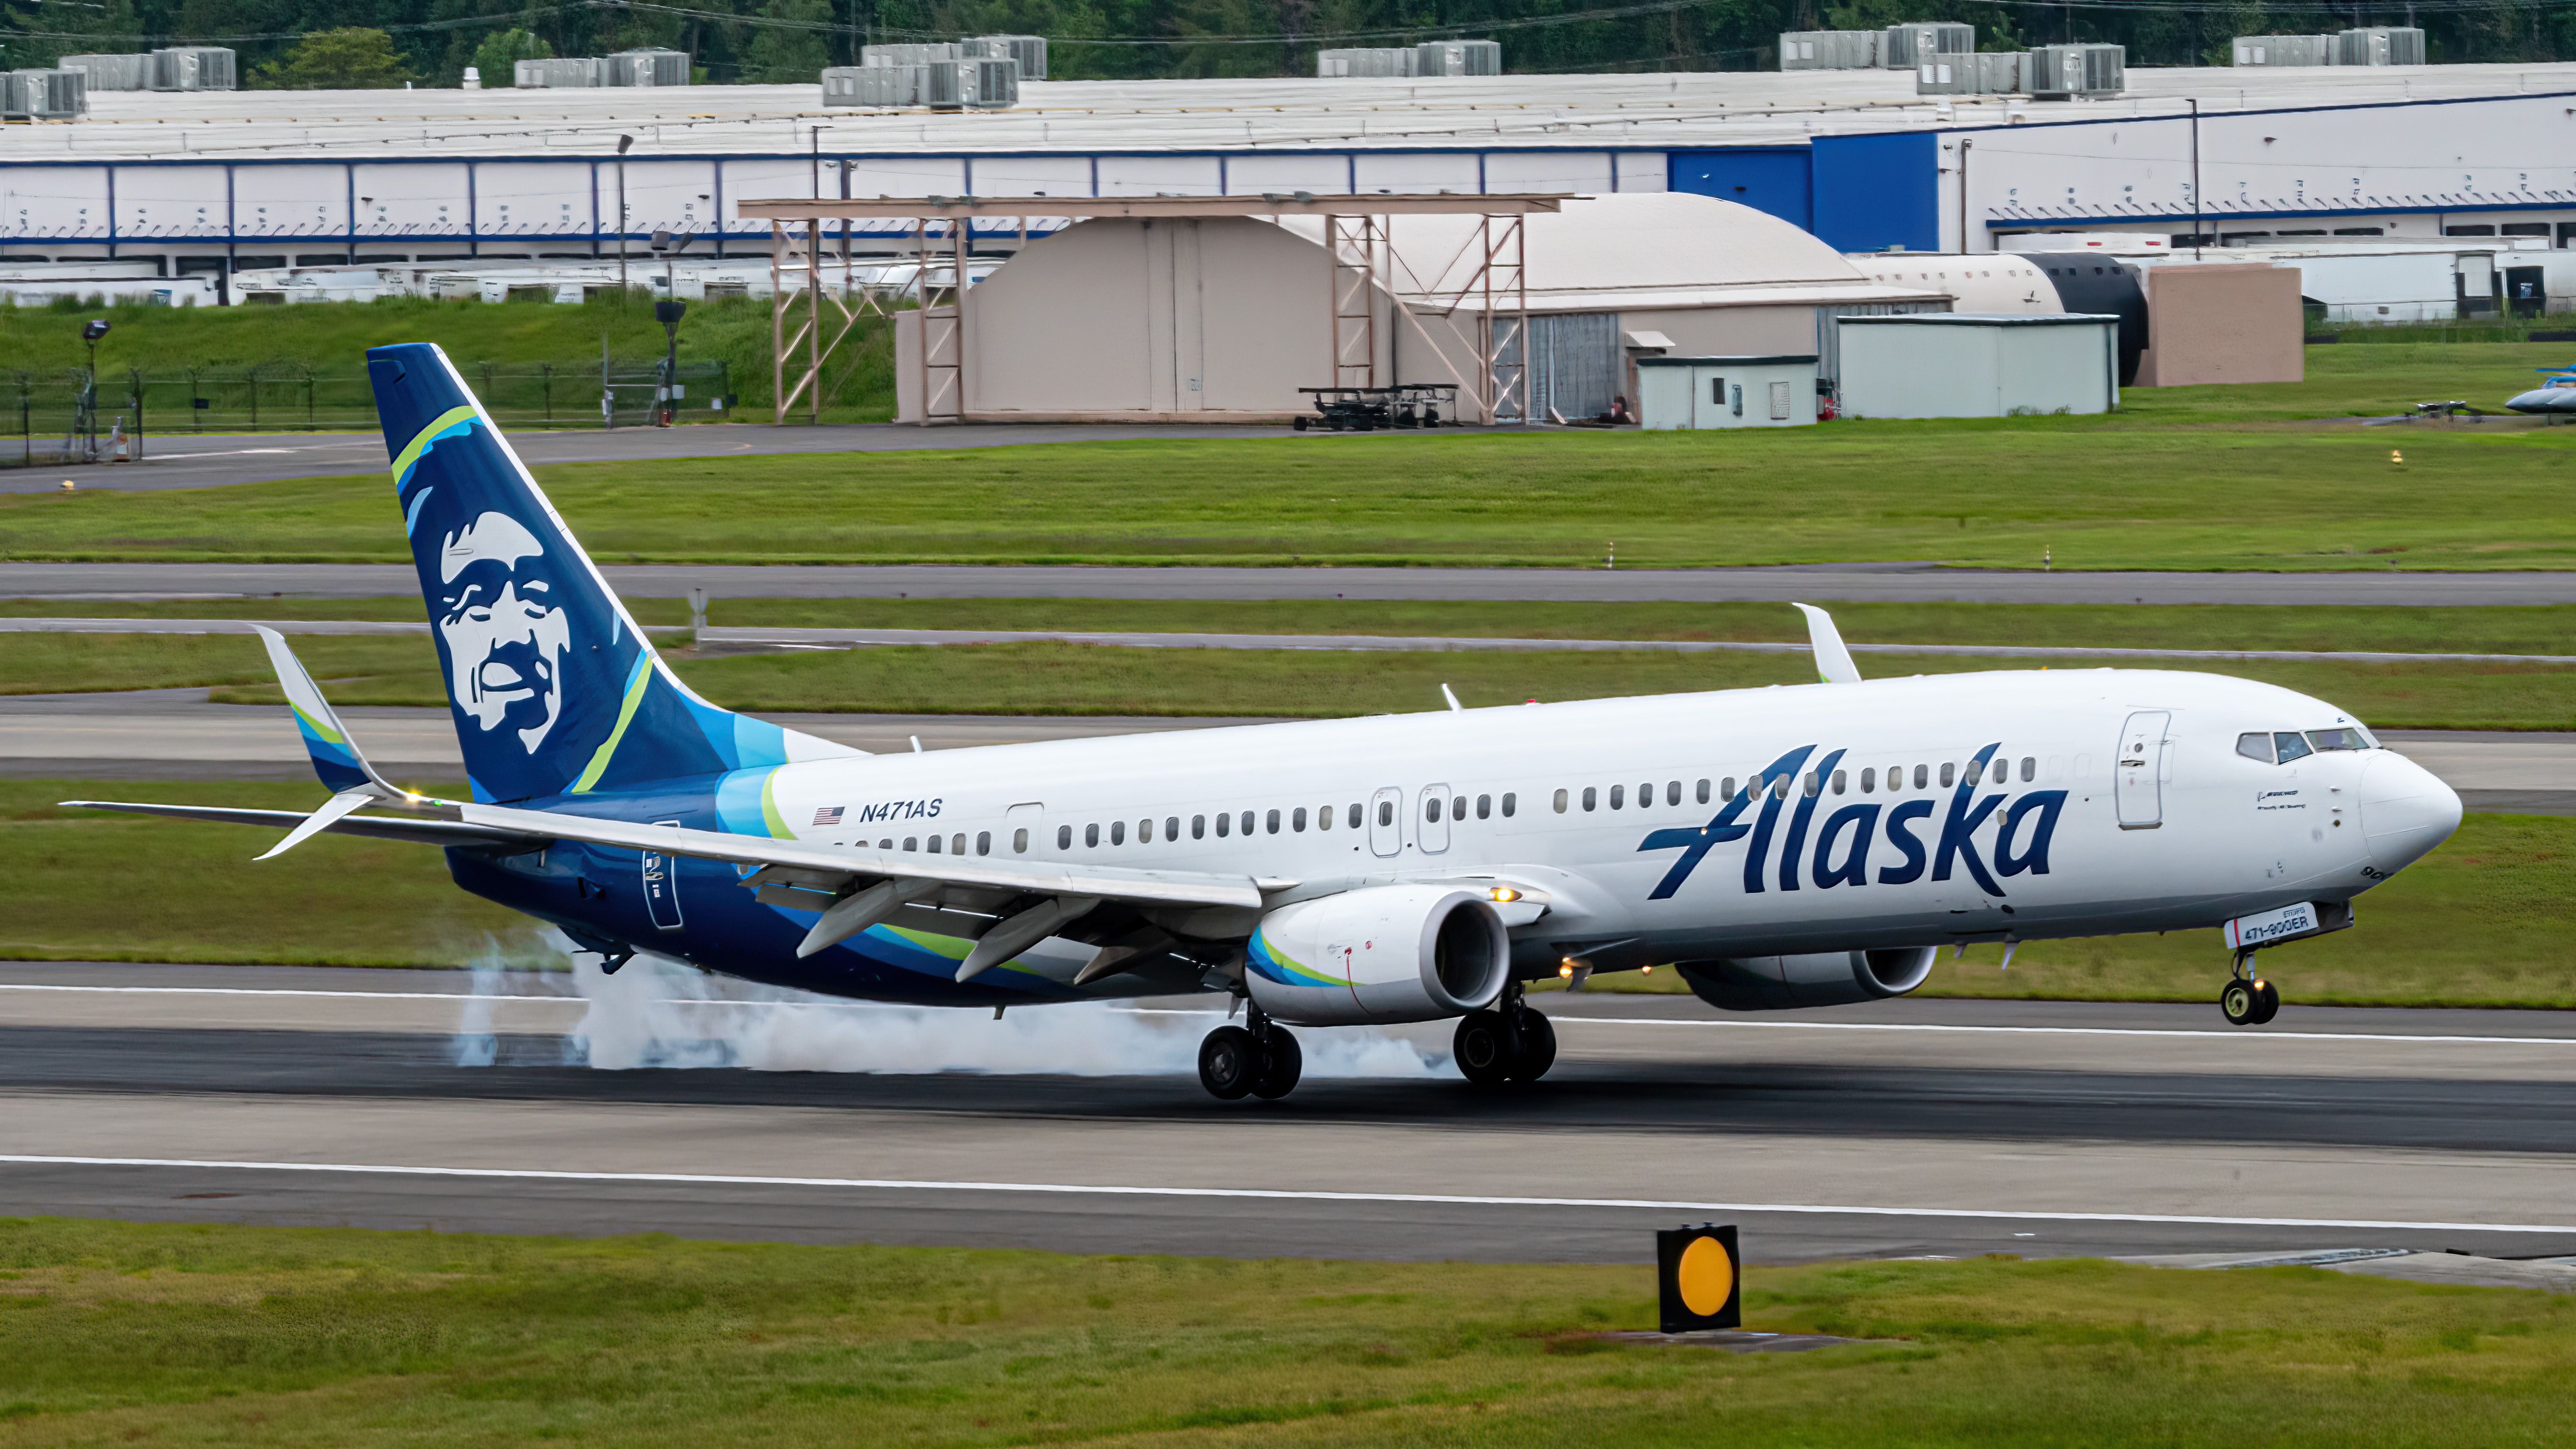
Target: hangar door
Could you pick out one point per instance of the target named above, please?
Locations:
(1573, 360)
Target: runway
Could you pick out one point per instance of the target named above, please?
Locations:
(215, 460)
(1902, 1128)
(1898, 582)
(175, 734)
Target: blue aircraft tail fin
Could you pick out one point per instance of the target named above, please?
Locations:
(554, 689)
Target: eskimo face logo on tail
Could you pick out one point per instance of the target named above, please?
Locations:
(505, 632)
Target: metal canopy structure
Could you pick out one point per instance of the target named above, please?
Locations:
(1354, 233)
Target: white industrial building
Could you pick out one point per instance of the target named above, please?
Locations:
(213, 182)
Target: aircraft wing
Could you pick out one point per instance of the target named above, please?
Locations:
(423, 832)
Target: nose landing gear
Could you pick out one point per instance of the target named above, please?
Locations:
(2248, 1000)
(1262, 1061)
(1507, 1042)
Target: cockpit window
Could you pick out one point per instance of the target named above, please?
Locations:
(2256, 746)
(2341, 739)
(2280, 747)
(2291, 747)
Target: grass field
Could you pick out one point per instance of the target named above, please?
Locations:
(1079, 679)
(2498, 630)
(332, 338)
(2193, 478)
(116, 1333)
(2485, 921)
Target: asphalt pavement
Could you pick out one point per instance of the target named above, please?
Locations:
(1896, 582)
(1901, 1128)
(213, 460)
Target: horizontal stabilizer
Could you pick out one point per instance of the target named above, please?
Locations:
(376, 827)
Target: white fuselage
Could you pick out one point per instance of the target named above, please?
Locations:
(2058, 836)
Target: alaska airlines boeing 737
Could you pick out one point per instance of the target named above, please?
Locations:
(1781, 847)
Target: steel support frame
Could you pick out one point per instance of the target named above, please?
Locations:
(811, 332)
(1504, 300)
(1357, 246)
(942, 322)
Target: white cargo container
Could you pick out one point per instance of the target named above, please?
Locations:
(1686, 393)
(1978, 365)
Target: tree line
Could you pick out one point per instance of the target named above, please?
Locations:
(306, 44)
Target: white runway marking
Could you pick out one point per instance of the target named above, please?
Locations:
(694, 1179)
(2232, 1035)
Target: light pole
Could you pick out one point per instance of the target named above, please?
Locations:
(623, 142)
(87, 422)
(668, 311)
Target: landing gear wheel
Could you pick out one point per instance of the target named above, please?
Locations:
(2240, 1003)
(1281, 1062)
(2267, 1002)
(1483, 1047)
(1228, 1061)
(1537, 1046)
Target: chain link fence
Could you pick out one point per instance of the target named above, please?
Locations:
(59, 420)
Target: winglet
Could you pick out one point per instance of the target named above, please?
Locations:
(335, 755)
(1833, 661)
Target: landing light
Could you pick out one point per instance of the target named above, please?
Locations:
(1566, 969)
(1503, 893)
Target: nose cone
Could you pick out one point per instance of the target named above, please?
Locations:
(2405, 810)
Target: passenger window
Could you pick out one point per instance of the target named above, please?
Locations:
(1246, 821)
(1780, 786)
(1560, 802)
(1703, 792)
(1355, 815)
(934, 845)
(1198, 827)
(1645, 794)
(1297, 821)
(1484, 807)
(1618, 797)
(1171, 827)
(1064, 837)
(1591, 798)
(983, 842)
(1509, 802)
(2029, 768)
(1920, 781)
(1838, 782)
(2255, 746)
(1726, 789)
(957, 843)
(1020, 841)
(1145, 831)
(1949, 774)
(1672, 792)
(1224, 826)
(1869, 780)
(2291, 746)
(1118, 832)
(912, 842)
(1976, 772)
(2340, 739)
(1274, 822)
(1458, 808)
(885, 845)
(1324, 818)
(1385, 812)
(1810, 786)
(1431, 808)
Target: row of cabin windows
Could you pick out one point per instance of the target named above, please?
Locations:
(952, 845)
(1270, 822)
(1813, 783)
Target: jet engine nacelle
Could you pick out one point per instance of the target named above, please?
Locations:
(1382, 954)
(1826, 978)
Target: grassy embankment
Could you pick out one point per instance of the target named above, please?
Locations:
(121, 1332)
(331, 338)
(2485, 921)
(2197, 478)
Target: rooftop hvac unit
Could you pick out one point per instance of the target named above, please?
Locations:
(648, 67)
(2005, 73)
(2064, 72)
(2382, 45)
(1458, 57)
(1028, 50)
(113, 72)
(2274, 50)
(559, 72)
(908, 54)
(1365, 62)
(970, 85)
(193, 68)
(1831, 49)
(873, 85)
(1911, 44)
(46, 95)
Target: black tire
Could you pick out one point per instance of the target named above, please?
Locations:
(1483, 1048)
(2267, 1002)
(1298, 423)
(2238, 1003)
(1228, 1061)
(1280, 1067)
(1537, 1047)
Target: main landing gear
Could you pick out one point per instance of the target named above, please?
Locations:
(1507, 1042)
(1262, 1061)
(2248, 1000)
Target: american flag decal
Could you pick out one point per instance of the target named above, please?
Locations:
(828, 815)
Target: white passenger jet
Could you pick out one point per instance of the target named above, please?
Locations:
(1780, 848)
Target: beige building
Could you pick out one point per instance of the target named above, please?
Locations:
(1223, 319)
